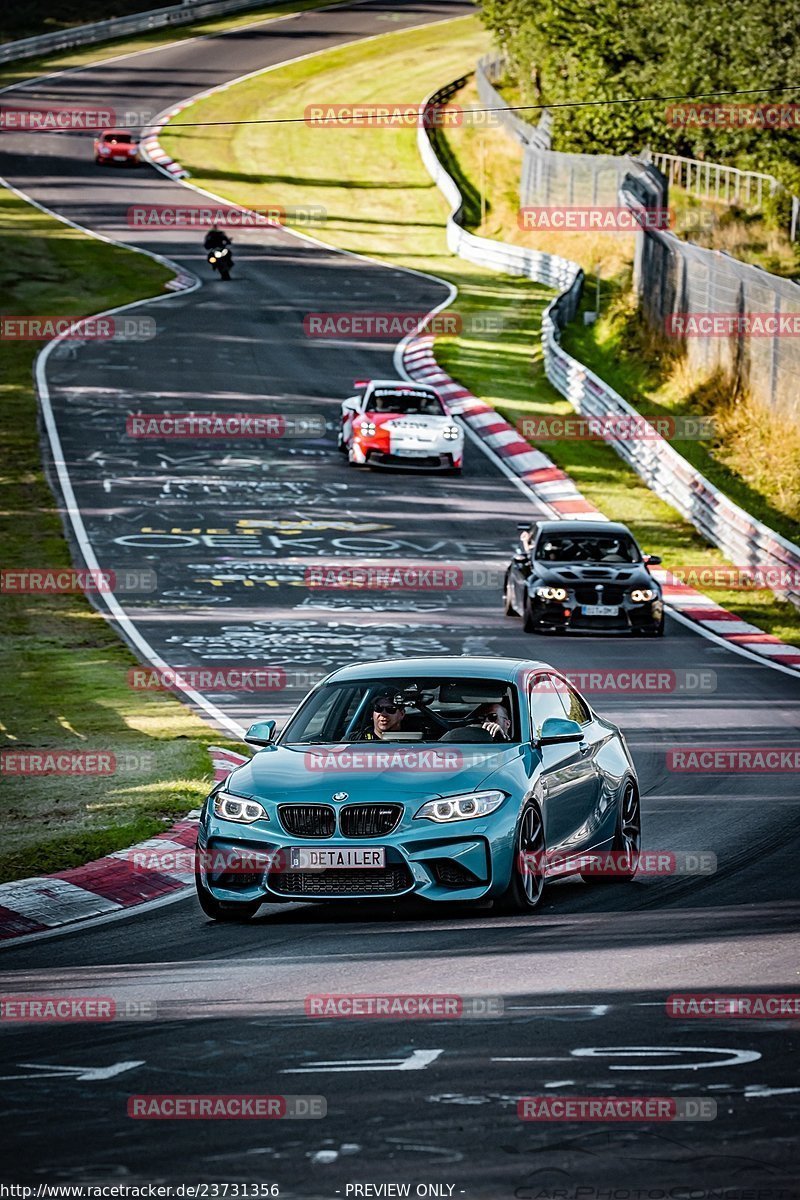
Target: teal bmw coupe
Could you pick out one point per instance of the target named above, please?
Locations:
(450, 779)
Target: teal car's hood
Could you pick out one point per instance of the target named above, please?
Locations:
(396, 771)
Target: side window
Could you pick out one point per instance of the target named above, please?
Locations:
(545, 701)
(576, 708)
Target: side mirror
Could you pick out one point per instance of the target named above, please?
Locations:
(521, 559)
(352, 404)
(524, 526)
(261, 734)
(653, 560)
(557, 730)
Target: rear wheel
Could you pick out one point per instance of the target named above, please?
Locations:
(627, 842)
(527, 872)
(508, 598)
(219, 911)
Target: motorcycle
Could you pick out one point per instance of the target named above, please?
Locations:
(221, 260)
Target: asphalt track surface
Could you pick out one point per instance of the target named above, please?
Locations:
(588, 975)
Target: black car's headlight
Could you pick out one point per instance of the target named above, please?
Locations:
(461, 808)
(551, 593)
(639, 595)
(238, 808)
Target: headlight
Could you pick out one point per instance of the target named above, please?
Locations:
(451, 433)
(461, 808)
(367, 429)
(551, 593)
(238, 808)
(640, 594)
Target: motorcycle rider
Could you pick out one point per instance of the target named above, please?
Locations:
(215, 239)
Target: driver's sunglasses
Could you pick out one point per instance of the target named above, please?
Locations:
(388, 709)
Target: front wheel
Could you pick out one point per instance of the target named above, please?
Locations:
(528, 869)
(627, 844)
(528, 622)
(217, 910)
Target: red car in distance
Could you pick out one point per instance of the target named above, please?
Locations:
(116, 146)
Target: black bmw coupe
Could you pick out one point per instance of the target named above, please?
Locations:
(586, 576)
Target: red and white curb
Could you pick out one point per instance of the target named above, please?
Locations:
(560, 495)
(149, 871)
(153, 150)
(552, 486)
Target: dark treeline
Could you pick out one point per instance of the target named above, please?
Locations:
(573, 50)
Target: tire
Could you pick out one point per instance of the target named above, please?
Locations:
(225, 273)
(508, 607)
(528, 623)
(340, 443)
(627, 837)
(218, 911)
(526, 886)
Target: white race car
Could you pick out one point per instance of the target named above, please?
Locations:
(395, 424)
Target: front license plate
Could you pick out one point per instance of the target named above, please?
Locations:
(411, 453)
(321, 858)
(600, 610)
(120, 157)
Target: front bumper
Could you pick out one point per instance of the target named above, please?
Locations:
(568, 616)
(433, 862)
(428, 456)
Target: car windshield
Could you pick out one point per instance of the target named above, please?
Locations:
(587, 548)
(118, 137)
(390, 400)
(406, 710)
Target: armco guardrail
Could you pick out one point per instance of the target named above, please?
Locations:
(103, 31)
(745, 541)
(490, 68)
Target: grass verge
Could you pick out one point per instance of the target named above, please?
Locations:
(85, 56)
(381, 202)
(64, 669)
